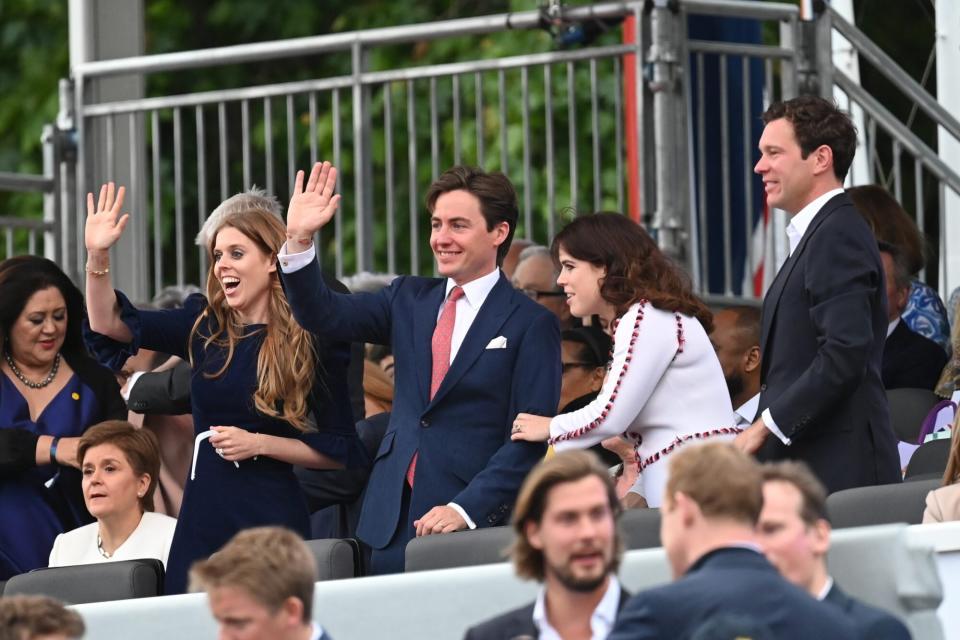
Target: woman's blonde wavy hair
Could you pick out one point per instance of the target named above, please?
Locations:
(287, 360)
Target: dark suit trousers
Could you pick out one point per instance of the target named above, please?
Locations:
(391, 559)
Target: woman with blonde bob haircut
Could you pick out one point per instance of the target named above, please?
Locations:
(120, 465)
(266, 394)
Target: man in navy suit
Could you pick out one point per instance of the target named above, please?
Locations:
(825, 316)
(909, 359)
(710, 509)
(260, 586)
(470, 353)
(566, 529)
(795, 535)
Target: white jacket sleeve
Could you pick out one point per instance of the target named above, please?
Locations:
(644, 345)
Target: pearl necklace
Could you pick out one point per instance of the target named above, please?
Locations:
(22, 378)
(100, 548)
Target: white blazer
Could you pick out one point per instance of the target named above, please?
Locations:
(151, 539)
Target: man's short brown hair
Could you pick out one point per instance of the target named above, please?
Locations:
(27, 617)
(497, 196)
(140, 447)
(270, 564)
(569, 466)
(723, 481)
(818, 122)
(813, 495)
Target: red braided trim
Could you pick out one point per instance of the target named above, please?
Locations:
(681, 440)
(576, 433)
(680, 339)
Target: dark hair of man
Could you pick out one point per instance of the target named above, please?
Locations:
(636, 268)
(748, 323)
(901, 271)
(890, 223)
(817, 122)
(813, 496)
(594, 344)
(498, 198)
(562, 468)
(23, 276)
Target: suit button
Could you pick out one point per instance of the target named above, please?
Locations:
(763, 387)
(424, 423)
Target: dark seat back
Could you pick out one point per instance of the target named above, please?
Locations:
(641, 528)
(84, 583)
(908, 408)
(882, 504)
(335, 558)
(930, 458)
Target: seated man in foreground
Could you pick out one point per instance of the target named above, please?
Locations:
(795, 535)
(260, 586)
(566, 526)
(710, 510)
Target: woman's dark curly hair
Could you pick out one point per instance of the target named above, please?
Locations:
(635, 266)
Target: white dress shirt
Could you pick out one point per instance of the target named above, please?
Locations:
(893, 325)
(151, 539)
(601, 622)
(826, 589)
(795, 232)
(744, 415)
(475, 294)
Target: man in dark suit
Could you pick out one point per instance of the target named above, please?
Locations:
(260, 586)
(824, 317)
(710, 509)
(470, 353)
(795, 535)
(566, 538)
(909, 359)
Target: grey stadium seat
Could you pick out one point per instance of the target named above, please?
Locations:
(930, 459)
(335, 558)
(85, 583)
(882, 504)
(908, 408)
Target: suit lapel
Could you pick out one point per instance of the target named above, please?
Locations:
(772, 300)
(491, 317)
(425, 312)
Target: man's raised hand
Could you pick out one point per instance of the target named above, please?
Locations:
(313, 206)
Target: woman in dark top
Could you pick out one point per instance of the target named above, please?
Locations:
(50, 392)
(266, 394)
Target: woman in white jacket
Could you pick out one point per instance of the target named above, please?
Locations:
(664, 387)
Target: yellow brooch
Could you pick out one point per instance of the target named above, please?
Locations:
(75, 395)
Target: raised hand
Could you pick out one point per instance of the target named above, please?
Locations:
(312, 207)
(103, 227)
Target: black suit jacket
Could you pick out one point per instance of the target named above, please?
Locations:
(517, 624)
(824, 325)
(871, 622)
(729, 584)
(911, 360)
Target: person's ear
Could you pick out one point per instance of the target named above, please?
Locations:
(531, 531)
(596, 378)
(143, 484)
(501, 230)
(751, 359)
(823, 159)
(292, 610)
(820, 536)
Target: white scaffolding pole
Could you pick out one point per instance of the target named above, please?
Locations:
(845, 59)
(948, 94)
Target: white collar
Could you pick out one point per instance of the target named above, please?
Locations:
(476, 291)
(605, 614)
(748, 410)
(799, 223)
(826, 588)
(893, 325)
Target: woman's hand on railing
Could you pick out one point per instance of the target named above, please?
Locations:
(104, 223)
(311, 207)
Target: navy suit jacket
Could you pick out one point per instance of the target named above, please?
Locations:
(727, 584)
(911, 360)
(463, 433)
(517, 624)
(824, 325)
(871, 622)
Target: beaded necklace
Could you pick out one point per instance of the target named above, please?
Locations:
(22, 378)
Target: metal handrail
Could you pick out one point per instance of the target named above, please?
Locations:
(311, 45)
(910, 141)
(889, 67)
(9, 222)
(742, 9)
(25, 182)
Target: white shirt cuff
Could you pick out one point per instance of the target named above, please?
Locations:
(290, 262)
(463, 514)
(128, 388)
(774, 429)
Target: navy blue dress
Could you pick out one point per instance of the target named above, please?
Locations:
(222, 498)
(39, 503)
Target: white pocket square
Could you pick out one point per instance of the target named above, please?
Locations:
(500, 342)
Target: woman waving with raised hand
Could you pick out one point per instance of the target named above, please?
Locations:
(664, 387)
(266, 394)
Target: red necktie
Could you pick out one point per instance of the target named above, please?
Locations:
(440, 346)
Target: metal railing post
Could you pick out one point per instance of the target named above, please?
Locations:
(823, 51)
(363, 162)
(52, 212)
(669, 219)
(66, 169)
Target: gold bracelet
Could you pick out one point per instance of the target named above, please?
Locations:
(95, 272)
